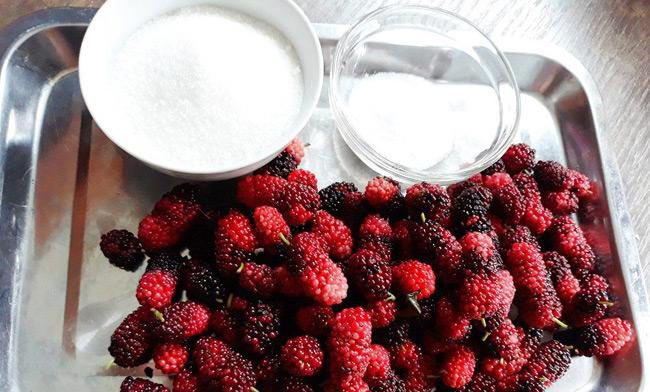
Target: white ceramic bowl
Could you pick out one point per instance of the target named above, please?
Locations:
(118, 19)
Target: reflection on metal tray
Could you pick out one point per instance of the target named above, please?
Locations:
(63, 183)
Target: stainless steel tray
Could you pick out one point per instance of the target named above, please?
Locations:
(63, 183)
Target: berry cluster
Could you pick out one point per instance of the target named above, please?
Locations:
(487, 285)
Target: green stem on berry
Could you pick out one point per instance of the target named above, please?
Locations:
(284, 239)
(560, 323)
(413, 300)
(569, 347)
(204, 213)
(157, 314)
(423, 217)
(609, 304)
(219, 301)
(543, 379)
(240, 269)
(391, 297)
(110, 365)
(484, 323)
(253, 389)
(486, 336)
(229, 300)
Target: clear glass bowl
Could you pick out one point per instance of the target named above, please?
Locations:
(420, 94)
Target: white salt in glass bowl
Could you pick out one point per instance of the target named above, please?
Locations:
(118, 19)
(420, 94)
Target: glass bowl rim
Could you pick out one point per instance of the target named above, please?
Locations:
(385, 166)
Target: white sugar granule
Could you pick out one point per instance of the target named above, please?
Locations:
(420, 124)
(205, 88)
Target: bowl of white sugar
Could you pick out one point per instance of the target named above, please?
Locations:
(420, 94)
(201, 89)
